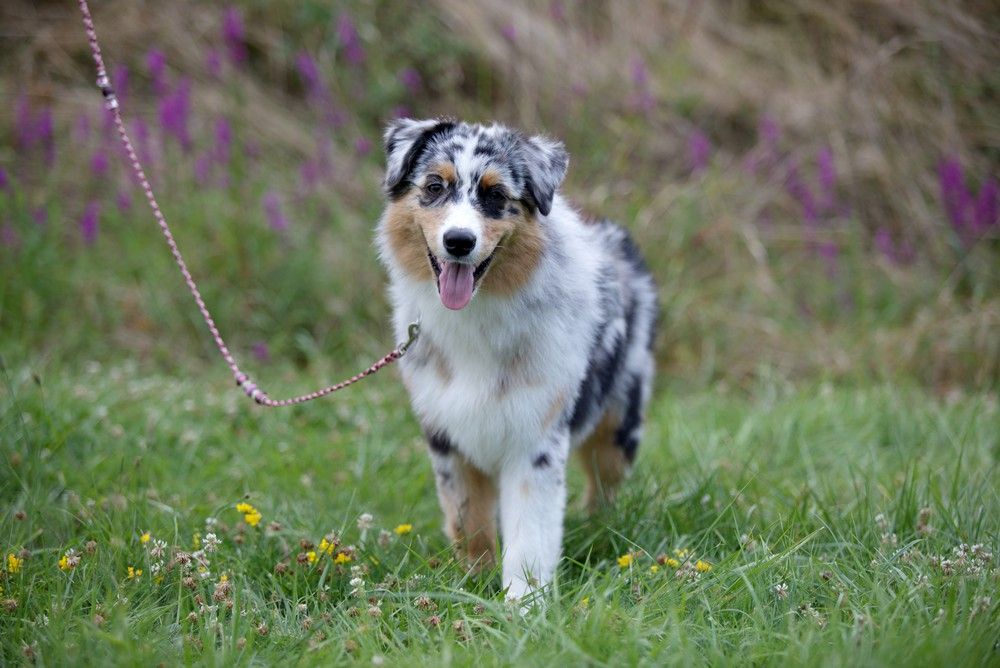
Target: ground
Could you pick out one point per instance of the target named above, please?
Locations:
(813, 525)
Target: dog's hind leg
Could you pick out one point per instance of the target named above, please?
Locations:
(468, 498)
(607, 454)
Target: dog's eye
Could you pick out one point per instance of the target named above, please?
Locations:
(434, 188)
(496, 195)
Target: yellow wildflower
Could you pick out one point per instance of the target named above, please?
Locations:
(326, 546)
(681, 552)
(134, 573)
(13, 563)
(625, 560)
(311, 556)
(195, 540)
(144, 538)
(655, 568)
(251, 515)
(403, 529)
(68, 561)
(342, 558)
(585, 601)
(673, 563)
(223, 578)
(702, 566)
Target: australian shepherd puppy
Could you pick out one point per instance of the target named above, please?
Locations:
(535, 340)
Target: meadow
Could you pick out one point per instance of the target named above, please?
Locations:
(816, 190)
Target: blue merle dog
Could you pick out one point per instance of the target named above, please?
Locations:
(536, 339)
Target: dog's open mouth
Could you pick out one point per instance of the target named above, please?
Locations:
(457, 281)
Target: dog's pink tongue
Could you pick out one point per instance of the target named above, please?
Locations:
(455, 285)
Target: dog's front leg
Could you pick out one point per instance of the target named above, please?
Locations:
(532, 505)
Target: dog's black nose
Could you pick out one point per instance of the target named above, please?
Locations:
(459, 242)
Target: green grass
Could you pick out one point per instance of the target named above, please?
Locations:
(778, 487)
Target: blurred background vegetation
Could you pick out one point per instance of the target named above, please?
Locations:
(814, 183)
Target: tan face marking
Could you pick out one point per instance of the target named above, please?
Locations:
(521, 250)
(408, 227)
(603, 462)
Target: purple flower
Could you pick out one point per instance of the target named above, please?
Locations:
(957, 200)
(272, 209)
(119, 77)
(46, 135)
(202, 168)
(234, 35)
(643, 99)
(349, 39)
(985, 213)
(309, 71)
(411, 80)
(362, 146)
(900, 253)
(89, 222)
(699, 151)
(175, 110)
(124, 201)
(768, 131)
(213, 63)
(223, 141)
(827, 178)
(156, 63)
(260, 351)
(99, 163)
(639, 72)
(799, 191)
(509, 32)
(4, 181)
(402, 111)
(24, 123)
(40, 216)
(883, 243)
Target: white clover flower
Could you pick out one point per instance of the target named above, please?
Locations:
(210, 542)
(365, 521)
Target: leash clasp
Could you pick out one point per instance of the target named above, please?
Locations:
(412, 332)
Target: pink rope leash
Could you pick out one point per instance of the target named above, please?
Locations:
(242, 380)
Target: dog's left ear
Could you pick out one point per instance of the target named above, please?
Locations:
(546, 161)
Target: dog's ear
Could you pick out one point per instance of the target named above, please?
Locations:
(405, 140)
(546, 161)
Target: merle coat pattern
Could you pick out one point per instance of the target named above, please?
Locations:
(536, 334)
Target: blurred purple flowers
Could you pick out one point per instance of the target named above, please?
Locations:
(699, 151)
(969, 215)
(33, 129)
(175, 111)
(350, 40)
(89, 222)
(411, 80)
(234, 35)
(272, 210)
(642, 99)
(156, 63)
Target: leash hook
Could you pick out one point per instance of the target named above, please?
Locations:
(412, 332)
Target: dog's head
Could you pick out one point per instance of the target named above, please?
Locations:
(465, 203)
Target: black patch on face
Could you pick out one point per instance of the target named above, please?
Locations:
(541, 461)
(439, 443)
(399, 188)
(492, 201)
(625, 437)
